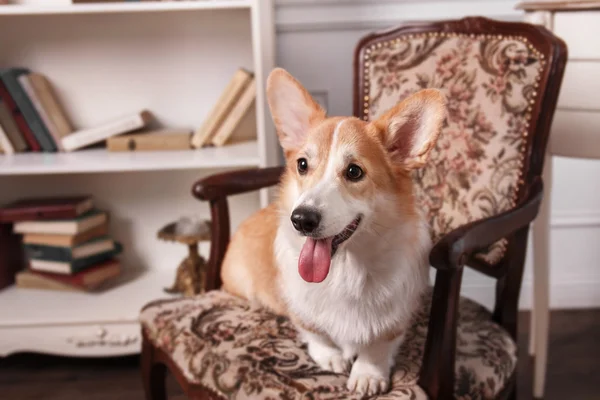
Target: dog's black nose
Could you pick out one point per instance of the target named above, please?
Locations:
(305, 220)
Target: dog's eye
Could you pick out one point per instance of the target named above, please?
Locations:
(302, 166)
(354, 172)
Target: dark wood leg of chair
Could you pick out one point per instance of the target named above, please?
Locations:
(154, 374)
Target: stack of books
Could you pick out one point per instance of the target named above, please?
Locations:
(74, 253)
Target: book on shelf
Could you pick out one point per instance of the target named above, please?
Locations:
(66, 240)
(19, 119)
(162, 139)
(10, 128)
(87, 280)
(31, 209)
(226, 101)
(235, 116)
(124, 124)
(76, 265)
(38, 89)
(10, 78)
(73, 226)
(5, 144)
(69, 253)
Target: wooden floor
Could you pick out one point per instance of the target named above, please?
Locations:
(573, 370)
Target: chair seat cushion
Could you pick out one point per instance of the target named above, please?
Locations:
(232, 348)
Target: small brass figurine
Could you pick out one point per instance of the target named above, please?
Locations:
(191, 274)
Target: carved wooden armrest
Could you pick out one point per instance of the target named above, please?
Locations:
(456, 247)
(236, 182)
(215, 190)
(448, 256)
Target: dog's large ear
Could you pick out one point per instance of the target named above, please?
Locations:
(411, 128)
(293, 109)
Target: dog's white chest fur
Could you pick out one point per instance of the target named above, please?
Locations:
(372, 289)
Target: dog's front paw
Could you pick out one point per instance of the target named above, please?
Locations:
(368, 384)
(332, 360)
(367, 380)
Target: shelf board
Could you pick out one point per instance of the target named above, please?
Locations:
(100, 160)
(21, 306)
(101, 8)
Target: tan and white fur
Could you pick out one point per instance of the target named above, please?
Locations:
(355, 318)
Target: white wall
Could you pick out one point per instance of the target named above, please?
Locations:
(315, 42)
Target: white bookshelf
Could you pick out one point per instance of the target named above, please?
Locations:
(106, 60)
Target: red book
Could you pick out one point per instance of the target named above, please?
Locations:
(19, 119)
(45, 208)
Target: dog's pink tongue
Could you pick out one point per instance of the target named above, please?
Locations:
(315, 259)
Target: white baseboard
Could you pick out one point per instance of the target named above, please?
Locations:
(563, 295)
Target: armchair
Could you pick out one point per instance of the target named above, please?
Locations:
(502, 81)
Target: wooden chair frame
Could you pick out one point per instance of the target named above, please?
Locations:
(448, 256)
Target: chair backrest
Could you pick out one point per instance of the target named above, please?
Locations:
(501, 80)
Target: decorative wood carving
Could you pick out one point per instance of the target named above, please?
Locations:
(103, 338)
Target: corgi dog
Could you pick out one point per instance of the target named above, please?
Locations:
(343, 250)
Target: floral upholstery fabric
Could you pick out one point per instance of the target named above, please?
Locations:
(490, 83)
(243, 352)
